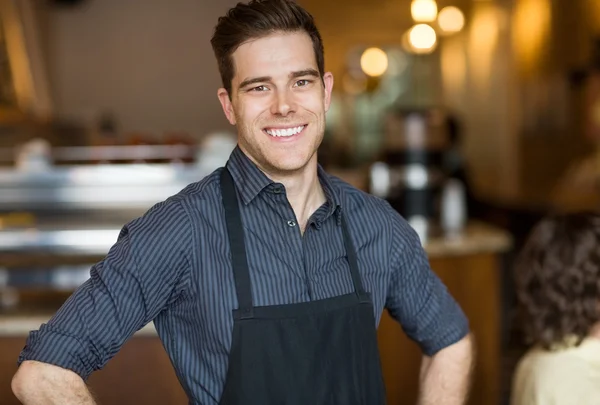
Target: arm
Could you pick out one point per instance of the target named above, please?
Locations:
(445, 377)
(429, 316)
(143, 274)
(40, 383)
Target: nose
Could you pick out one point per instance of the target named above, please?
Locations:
(284, 103)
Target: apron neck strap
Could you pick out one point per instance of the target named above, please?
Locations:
(352, 258)
(235, 233)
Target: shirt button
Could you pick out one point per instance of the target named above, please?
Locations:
(291, 223)
(277, 190)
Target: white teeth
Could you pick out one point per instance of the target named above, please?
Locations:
(284, 132)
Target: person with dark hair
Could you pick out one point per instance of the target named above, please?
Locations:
(557, 277)
(266, 280)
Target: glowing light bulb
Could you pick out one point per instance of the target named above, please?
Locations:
(451, 19)
(423, 10)
(374, 62)
(422, 37)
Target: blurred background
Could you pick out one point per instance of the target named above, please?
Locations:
(474, 118)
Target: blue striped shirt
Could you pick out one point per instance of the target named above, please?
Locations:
(173, 266)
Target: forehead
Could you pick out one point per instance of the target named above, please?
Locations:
(274, 55)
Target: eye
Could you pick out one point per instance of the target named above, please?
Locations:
(303, 82)
(259, 88)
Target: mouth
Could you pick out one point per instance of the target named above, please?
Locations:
(287, 132)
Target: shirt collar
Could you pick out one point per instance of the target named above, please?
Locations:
(332, 194)
(250, 180)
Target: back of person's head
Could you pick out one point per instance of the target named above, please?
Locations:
(258, 19)
(557, 278)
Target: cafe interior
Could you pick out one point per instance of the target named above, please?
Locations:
(473, 118)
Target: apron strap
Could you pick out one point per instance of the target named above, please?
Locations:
(235, 232)
(352, 259)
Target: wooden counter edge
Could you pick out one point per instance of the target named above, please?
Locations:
(478, 237)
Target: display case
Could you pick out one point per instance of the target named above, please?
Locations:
(57, 218)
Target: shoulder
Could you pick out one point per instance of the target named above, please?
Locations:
(554, 374)
(544, 377)
(203, 189)
(355, 201)
(174, 213)
(374, 214)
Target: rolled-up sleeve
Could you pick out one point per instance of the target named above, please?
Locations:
(144, 272)
(417, 298)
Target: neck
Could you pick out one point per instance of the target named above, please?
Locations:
(303, 190)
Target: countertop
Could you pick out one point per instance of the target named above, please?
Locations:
(477, 238)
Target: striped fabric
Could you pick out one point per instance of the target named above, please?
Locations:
(172, 266)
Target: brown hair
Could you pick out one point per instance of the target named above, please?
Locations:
(257, 19)
(557, 277)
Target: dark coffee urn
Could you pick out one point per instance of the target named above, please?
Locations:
(410, 173)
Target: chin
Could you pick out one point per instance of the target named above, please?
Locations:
(289, 165)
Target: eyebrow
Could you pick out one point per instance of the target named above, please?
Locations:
(305, 72)
(293, 75)
(253, 80)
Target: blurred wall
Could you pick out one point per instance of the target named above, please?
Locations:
(351, 23)
(594, 15)
(548, 49)
(149, 62)
(476, 79)
(479, 83)
(347, 28)
(524, 111)
(507, 75)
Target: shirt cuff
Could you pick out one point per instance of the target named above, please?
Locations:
(59, 349)
(452, 333)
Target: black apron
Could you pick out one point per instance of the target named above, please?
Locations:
(313, 353)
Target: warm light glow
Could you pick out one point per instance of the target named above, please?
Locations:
(594, 12)
(422, 37)
(374, 62)
(531, 31)
(451, 19)
(354, 85)
(484, 32)
(453, 65)
(423, 10)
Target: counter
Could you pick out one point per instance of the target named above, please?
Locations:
(478, 238)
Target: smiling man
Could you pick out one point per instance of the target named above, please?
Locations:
(267, 279)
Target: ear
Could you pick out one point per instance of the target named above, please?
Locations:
(226, 105)
(328, 83)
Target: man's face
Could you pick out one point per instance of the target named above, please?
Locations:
(278, 101)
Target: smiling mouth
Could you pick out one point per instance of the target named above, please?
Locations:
(285, 132)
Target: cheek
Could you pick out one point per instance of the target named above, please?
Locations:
(311, 102)
(253, 111)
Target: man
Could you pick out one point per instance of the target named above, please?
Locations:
(266, 279)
